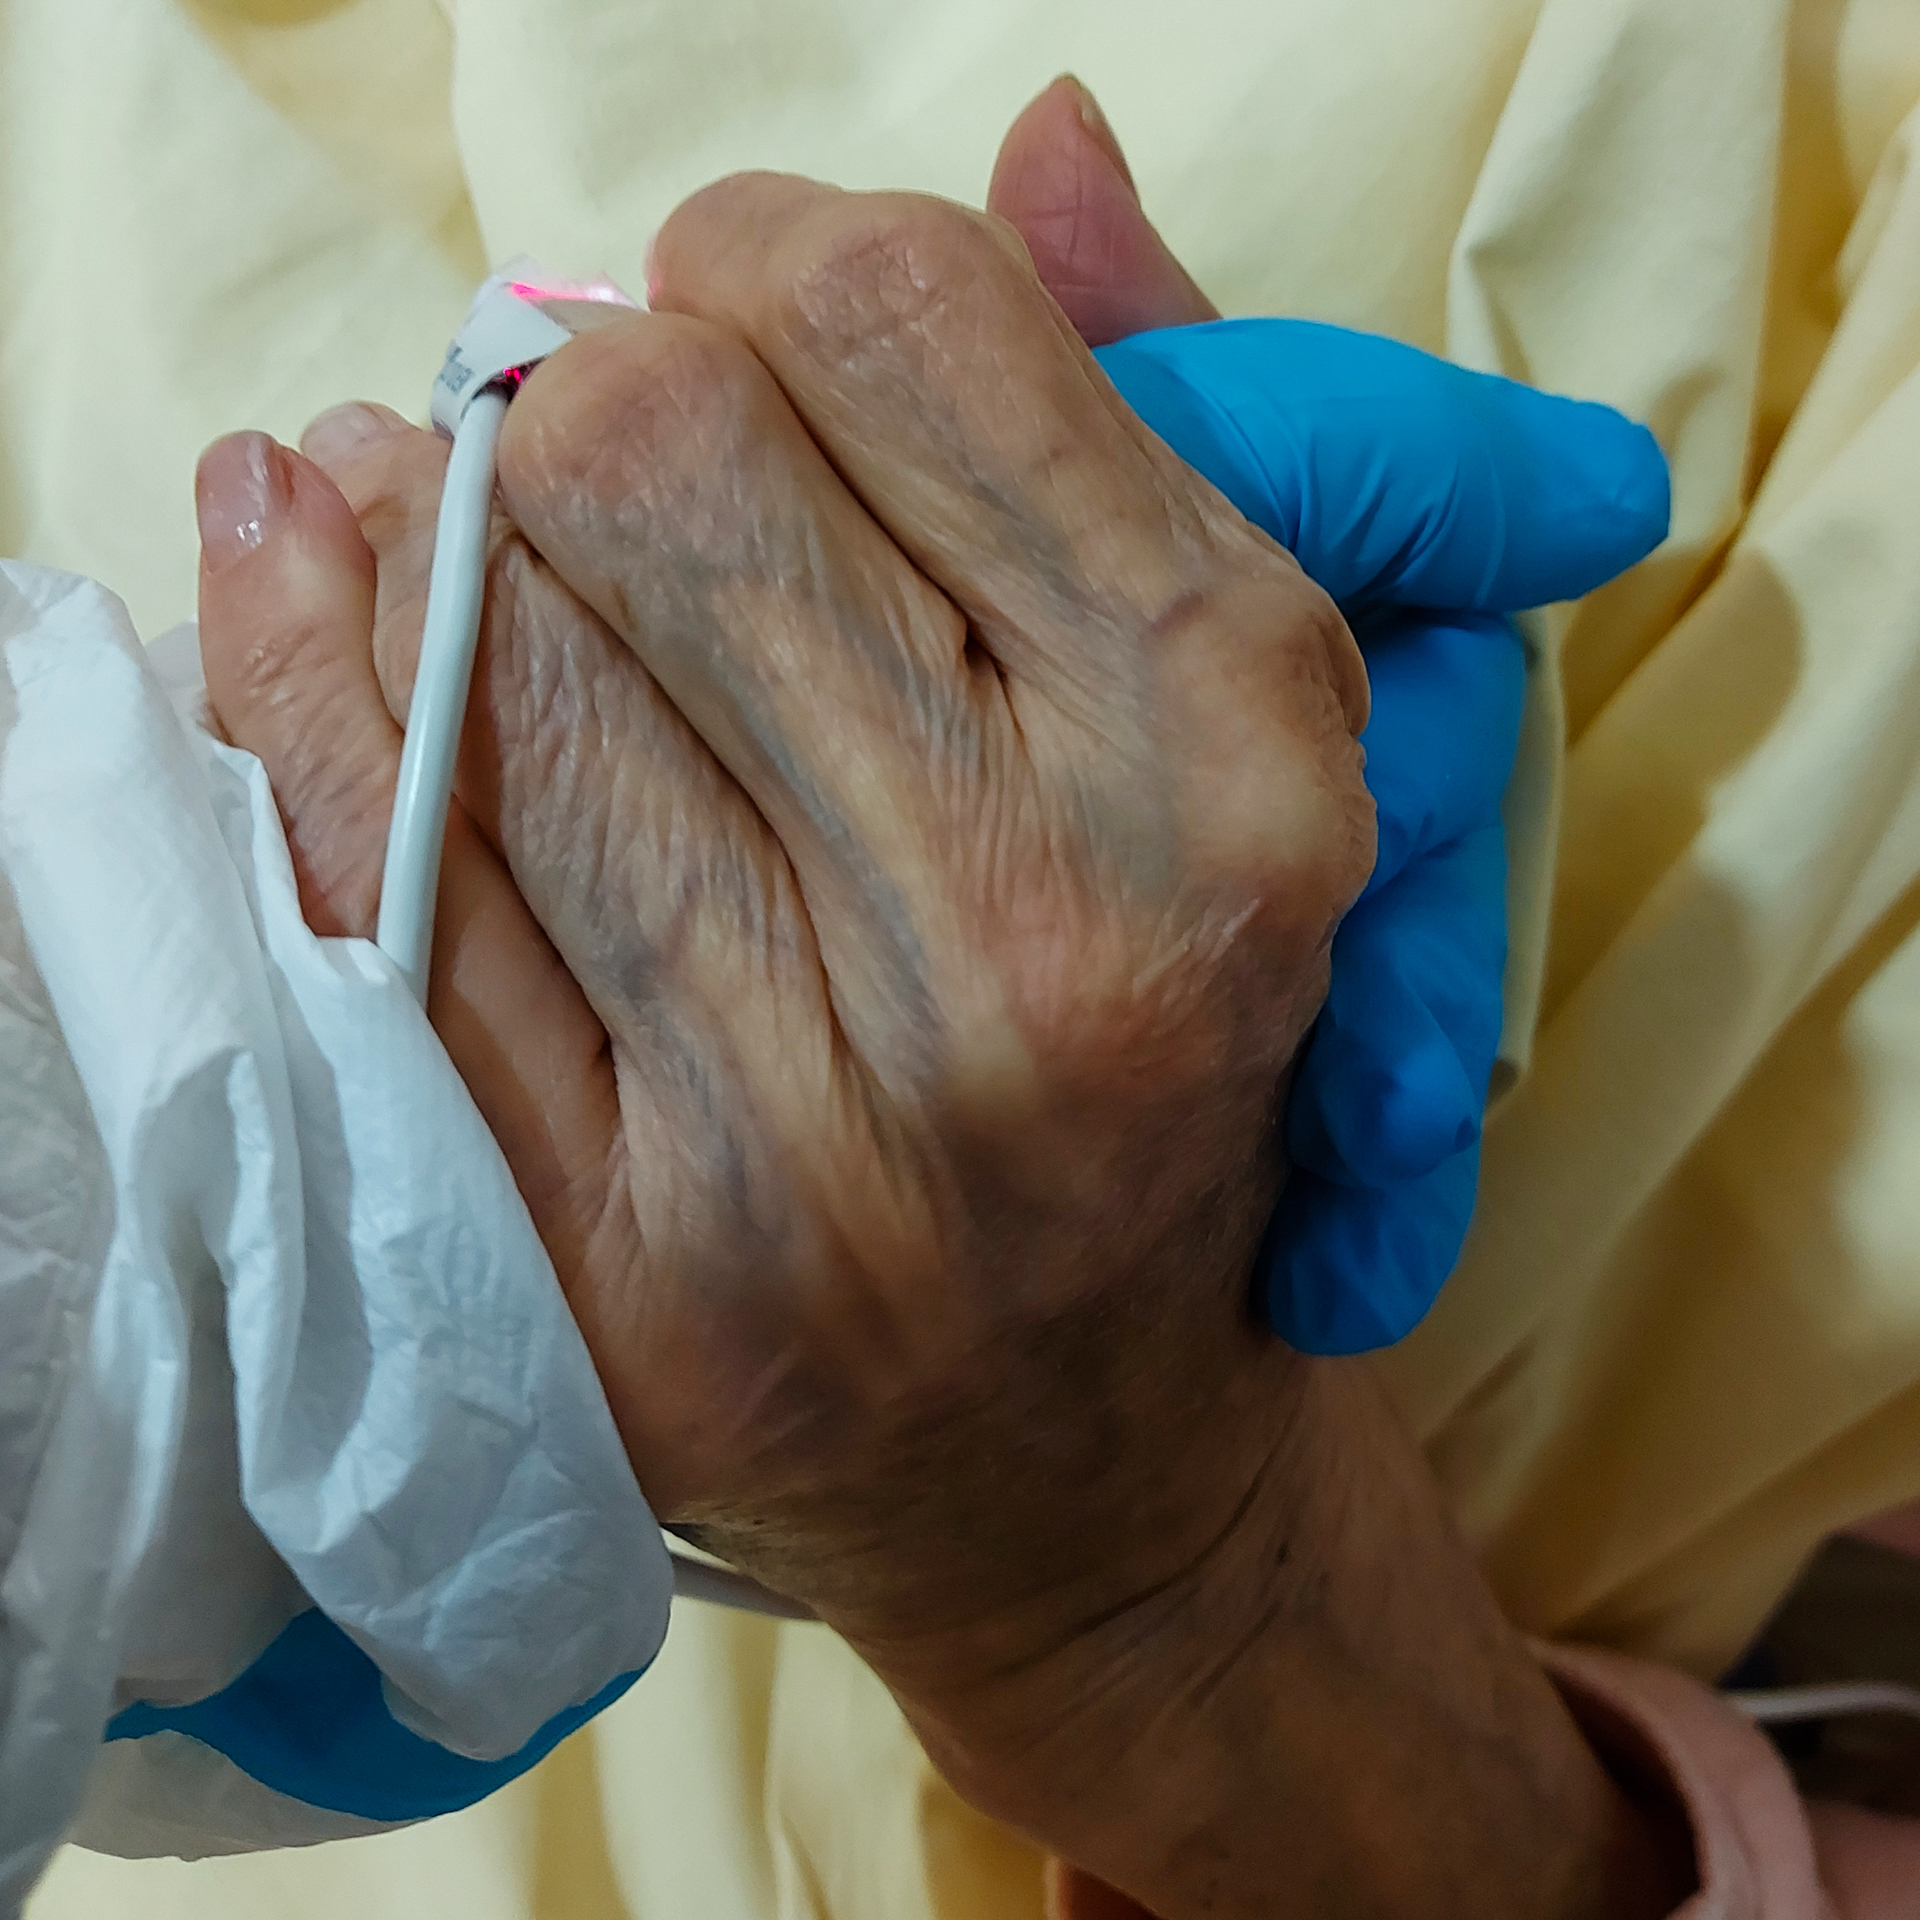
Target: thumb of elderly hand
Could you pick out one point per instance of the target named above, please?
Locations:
(1399, 482)
(1063, 183)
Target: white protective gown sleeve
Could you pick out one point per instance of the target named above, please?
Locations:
(310, 1501)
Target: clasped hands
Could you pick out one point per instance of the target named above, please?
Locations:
(904, 817)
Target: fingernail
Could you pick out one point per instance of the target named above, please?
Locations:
(649, 269)
(241, 492)
(341, 432)
(1097, 124)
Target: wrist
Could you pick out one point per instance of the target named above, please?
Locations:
(1330, 1671)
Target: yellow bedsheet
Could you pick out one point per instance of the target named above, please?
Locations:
(1685, 1341)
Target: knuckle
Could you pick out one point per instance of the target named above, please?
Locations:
(1315, 851)
(394, 491)
(714, 217)
(631, 414)
(875, 268)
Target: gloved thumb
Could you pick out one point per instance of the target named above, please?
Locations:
(1063, 183)
(1395, 477)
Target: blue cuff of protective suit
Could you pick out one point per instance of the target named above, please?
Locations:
(310, 1720)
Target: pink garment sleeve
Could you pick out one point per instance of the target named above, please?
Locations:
(1762, 1853)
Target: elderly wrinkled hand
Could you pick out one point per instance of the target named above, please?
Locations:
(903, 816)
(944, 802)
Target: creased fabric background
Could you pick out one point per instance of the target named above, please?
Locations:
(1685, 1341)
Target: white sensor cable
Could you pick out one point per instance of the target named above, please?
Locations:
(1771, 1706)
(456, 589)
(516, 320)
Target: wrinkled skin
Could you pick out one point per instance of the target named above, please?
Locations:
(902, 818)
(944, 801)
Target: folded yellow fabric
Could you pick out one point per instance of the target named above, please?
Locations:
(1685, 1341)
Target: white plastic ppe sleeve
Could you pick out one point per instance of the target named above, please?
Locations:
(275, 1327)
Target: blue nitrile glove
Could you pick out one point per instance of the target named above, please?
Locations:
(1402, 484)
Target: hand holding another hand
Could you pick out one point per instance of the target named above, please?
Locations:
(943, 801)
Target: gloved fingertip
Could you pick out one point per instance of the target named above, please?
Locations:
(1641, 499)
(1427, 1112)
(1325, 1282)
(1381, 1095)
(1345, 1271)
(1651, 501)
(1598, 502)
